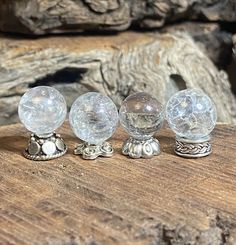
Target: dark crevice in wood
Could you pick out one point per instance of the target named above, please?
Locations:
(228, 26)
(179, 81)
(65, 76)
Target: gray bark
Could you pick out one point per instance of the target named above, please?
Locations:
(231, 70)
(216, 43)
(58, 16)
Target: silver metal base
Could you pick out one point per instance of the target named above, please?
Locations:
(91, 152)
(193, 148)
(45, 148)
(141, 148)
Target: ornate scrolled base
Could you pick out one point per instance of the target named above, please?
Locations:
(45, 148)
(141, 148)
(91, 152)
(193, 148)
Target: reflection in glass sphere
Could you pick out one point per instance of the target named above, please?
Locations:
(141, 115)
(191, 114)
(42, 110)
(93, 118)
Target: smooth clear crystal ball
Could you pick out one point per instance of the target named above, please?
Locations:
(141, 115)
(93, 118)
(42, 110)
(191, 114)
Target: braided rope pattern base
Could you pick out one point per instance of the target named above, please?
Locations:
(192, 149)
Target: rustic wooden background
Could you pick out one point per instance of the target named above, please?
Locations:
(118, 47)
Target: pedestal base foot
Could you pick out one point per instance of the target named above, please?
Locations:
(45, 148)
(91, 152)
(193, 148)
(141, 148)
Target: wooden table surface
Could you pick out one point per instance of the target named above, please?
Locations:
(118, 200)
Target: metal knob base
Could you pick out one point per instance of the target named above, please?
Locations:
(135, 148)
(193, 148)
(45, 148)
(91, 152)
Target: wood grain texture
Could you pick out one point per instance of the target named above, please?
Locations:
(58, 16)
(115, 65)
(163, 200)
(210, 37)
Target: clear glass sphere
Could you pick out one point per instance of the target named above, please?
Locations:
(141, 115)
(42, 110)
(191, 114)
(93, 118)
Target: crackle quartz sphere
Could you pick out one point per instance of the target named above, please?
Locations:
(42, 110)
(93, 118)
(141, 115)
(191, 114)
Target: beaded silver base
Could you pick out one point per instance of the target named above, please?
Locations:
(91, 152)
(141, 148)
(45, 148)
(193, 148)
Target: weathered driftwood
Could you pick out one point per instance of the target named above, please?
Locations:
(57, 16)
(234, 44)
(166, 200)
(210, 37)
(117, 65)
(232, 67)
